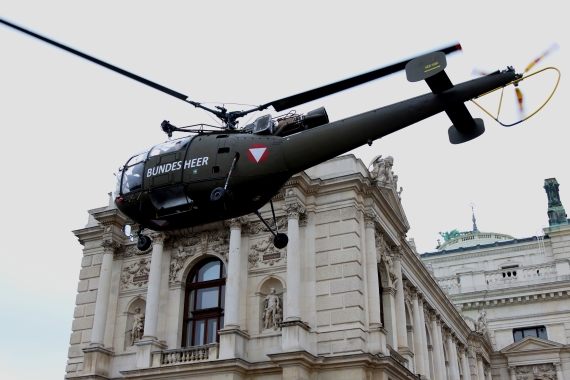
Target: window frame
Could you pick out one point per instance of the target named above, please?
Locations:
(536, 328)
(205, 315)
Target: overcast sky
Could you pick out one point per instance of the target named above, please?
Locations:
(66, 125)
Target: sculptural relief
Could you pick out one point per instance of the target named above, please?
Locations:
(272, 311)
(179, 255)
(383, 255)
(258, 227)
(264, 252)
(136, 274)
(131, 251)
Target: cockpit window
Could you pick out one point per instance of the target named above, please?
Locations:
(170, 146)
(137, 158)
(132, 176)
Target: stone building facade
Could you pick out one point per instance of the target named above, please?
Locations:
(521, 287)
(349, 297)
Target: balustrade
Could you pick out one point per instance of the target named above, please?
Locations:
(519, 274)
(187, 355)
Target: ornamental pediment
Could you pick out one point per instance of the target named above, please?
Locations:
(531, 343)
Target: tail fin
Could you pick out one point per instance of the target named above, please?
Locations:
(430, 67)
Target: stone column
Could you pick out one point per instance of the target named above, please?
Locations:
(295, 333)
(233, 279)
(418, 337)
(377, 341)
(480, 371)
(232, 339)
(424, 336)
(559, 374)
(456, 362)
(293, 305)
(453, 373)
(102, 301)
(96, 358)
(400, 303)
(153, 291)
(436, 348)
(488, 376)
(513, 373)
(465, 365)
(440, 343)
(149, 342)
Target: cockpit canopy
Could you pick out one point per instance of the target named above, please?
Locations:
(130, 176)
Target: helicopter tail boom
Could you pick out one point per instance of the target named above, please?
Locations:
(305, 149)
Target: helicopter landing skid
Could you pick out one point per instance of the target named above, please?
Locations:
(280, 240)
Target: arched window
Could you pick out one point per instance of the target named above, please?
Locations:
(204, 303)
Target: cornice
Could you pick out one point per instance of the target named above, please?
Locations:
(529, 316)
(473, 252)
(539, 296)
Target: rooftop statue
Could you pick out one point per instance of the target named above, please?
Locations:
(447, 236)
(556, 213)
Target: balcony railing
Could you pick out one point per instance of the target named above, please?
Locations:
(520, 274)
(185, 355)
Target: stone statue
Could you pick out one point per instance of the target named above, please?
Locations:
(138, 326)
(273, 311)
(385, 170)
(382, 169)
(481, 322)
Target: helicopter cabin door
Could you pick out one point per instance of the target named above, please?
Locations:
(207, 164)
(163, 176)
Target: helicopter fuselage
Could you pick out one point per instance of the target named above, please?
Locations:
(169, 186)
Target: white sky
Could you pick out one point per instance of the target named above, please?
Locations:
(66, 124)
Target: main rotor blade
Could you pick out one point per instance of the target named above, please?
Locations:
(329, 89)
(99, 62)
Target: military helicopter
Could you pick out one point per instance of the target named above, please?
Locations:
(213, 175)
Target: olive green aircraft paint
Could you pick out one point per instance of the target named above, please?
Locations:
(213, 176)
(252, 183)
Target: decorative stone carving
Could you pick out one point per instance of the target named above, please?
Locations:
(158, 237)
(179, 255)
(135, 274)
(257, 227)
(266, 253)
(303, 220)
(293, 210)
(531, 372)
(111, 246)
(383, 255)
(382, 171)
(137, 331)
(272, 311)
(397, 252)
(238, 223)
(221, 244)
(370, 220)
(131, 251)
(481, 322)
